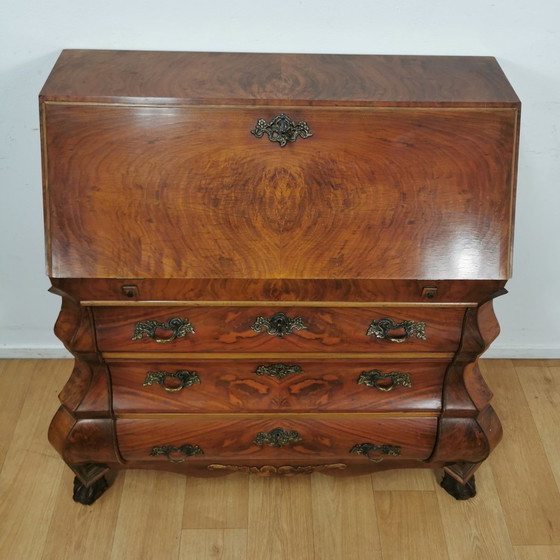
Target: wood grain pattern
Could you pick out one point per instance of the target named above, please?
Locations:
(255, 78)
(338, 212)
(232, 437)
(227, 329)
(234, 386)
(106, 291)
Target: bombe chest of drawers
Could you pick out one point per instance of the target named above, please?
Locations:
(276, 264)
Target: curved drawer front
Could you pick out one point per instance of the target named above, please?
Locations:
(297, 385)
(274, 329)
(259, 438)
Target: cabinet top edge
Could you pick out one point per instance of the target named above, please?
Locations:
(212, 78)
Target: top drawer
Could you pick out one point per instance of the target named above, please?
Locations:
(189, 192)
(274, 329)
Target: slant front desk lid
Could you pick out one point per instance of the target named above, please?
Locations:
(224, 165)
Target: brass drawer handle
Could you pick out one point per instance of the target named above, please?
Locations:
(181, 379)
(276, 437)
(278, 325)
(278, 371)
(178, 327)
(384, 327)
(281, 129)
(168, 450)
(366, 448)
(373, 377)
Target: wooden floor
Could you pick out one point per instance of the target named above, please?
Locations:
(394, 515)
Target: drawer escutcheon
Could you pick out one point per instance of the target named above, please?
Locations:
(276, 437)
(278, 371)
(278, 324)
(282, 129)
(184, 377)
(178, 327)
(383, 327)
(373, 377)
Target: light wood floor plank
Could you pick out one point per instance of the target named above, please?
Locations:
(541, 385)
(537, 552)
(280, 519)
(28, 487)
(213, 544)
(86, 531)
(410, 526)
(404, 480)
(15, 378)
(217, 503)
(476, 528)
(522, 474)
(344, 518)
(149, 519)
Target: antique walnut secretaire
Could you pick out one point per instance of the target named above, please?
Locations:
(276, 263)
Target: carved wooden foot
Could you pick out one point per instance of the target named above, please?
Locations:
(87, 495)
(456, 489)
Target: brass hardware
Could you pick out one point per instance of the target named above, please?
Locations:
(130, 290)
(281, 129)
(184, 377)
(179, 328)
(381, 329)
(187, 450)
(429, 292)
(283, 470)
(278, 371)
(278, 325)
(373, 377)
(276, 437)
(366, 448)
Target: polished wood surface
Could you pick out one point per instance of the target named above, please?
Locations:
(319, 385)
(149, 514)
(255, 78)
(229, 329)
(342, 204)
(162, 205)
(230, 438)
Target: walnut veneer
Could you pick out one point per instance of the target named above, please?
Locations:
(311, 296)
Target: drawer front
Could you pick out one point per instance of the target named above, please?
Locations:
(297, 385)
(189, 192)
(273, 329)
(262, 438)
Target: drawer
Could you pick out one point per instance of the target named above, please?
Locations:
(274, 329)
(265, 438)
(298, 385)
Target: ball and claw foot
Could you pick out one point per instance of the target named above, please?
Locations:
(456, 489)
(87, 495)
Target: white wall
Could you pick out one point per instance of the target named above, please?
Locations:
(524, 36)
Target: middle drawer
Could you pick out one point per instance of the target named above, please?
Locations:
(274, 329)
(295, 385)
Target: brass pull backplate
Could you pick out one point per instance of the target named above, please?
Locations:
(171, 451)
(178, 327)
(366, 448)
(179, 380)
(384, 329)
(376, 378)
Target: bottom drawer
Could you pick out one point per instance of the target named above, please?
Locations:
(266, 438)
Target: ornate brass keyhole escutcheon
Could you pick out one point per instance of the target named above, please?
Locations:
(282, 129)
(278, 325)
